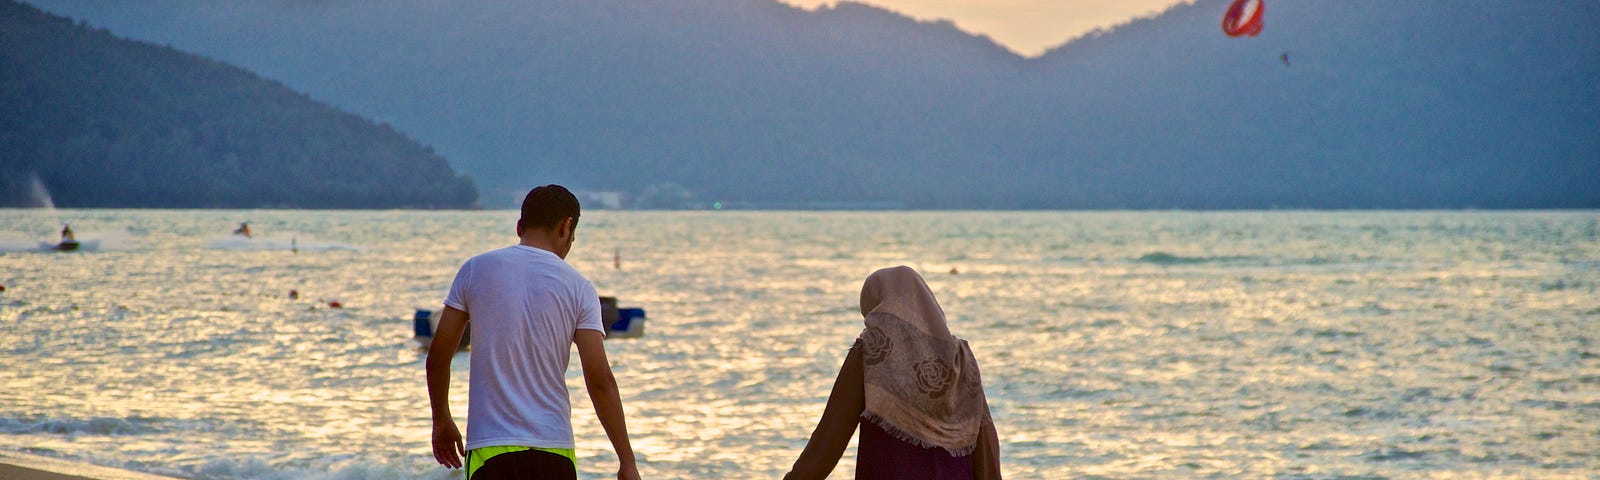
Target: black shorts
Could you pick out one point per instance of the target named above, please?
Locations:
(526, 465)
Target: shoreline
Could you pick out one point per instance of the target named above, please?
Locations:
(24, 466)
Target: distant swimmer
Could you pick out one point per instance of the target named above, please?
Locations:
(243, 230)
(66, 233)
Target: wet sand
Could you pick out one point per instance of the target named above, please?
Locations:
(21, 466)
(14, 472)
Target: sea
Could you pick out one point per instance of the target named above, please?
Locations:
(1117, 344)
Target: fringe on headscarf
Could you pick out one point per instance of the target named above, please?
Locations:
(907, 437)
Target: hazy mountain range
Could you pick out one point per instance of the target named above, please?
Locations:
(91, 120)
(1338, 104)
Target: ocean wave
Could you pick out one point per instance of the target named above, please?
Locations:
(277, 242)
(45, 246)
(91, 426)
(1319, 260)
(1394, 455)
(14, 244)
(335, 468)
(1328, 333)
(1164, 258)
(1287, 340)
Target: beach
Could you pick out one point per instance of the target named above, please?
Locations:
(47, 468)
(20, 473)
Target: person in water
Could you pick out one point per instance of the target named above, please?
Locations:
(243, 230)
(527, 308)
(66, 234)
(912, 387)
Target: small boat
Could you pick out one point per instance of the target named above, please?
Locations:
(69, 245)
(621, 322)
(424, 323)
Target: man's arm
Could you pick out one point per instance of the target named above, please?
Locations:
(448, 449)
(607, 401)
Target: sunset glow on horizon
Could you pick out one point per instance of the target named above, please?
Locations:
(1028, 27)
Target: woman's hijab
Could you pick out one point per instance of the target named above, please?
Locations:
(921, 383)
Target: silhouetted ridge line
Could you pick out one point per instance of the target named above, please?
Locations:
(106, 122)
(1385, 105)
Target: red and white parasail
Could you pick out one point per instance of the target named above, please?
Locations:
(1243, 18)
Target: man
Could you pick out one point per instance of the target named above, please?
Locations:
(527, 307)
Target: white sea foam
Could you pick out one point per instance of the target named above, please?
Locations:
(16, 243)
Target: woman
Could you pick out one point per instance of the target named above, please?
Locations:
(913, 388)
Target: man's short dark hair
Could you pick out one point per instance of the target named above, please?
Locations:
(546, 206)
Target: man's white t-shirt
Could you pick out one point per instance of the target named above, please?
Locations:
(524, 305)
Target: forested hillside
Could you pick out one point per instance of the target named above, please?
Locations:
(1337, 104)
(107, 122)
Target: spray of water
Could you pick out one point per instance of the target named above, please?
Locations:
(41, 195)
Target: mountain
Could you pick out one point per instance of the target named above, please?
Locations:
(1362, 104)
(106, 122)
(1486, 104)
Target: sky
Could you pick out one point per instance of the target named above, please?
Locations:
(1028, 27)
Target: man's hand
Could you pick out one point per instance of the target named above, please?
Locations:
(603, 394)
(447, 446)
(627, 472)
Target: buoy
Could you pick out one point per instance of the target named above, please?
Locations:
(2, 288)
(335, 304)
(294, 294)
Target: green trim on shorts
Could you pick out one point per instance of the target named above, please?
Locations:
(477, 456)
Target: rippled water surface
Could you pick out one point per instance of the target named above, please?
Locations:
(1114, 344)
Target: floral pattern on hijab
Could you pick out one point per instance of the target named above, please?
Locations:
(921, 383)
